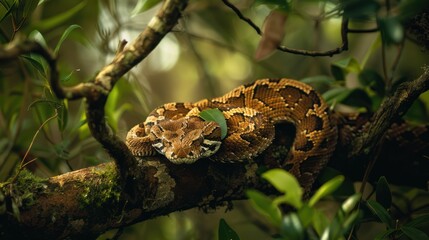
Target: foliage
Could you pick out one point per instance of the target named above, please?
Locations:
(226, 232)
(215, 115)
(295, 218)
(215, 51)
(306, 221)
(27, 104)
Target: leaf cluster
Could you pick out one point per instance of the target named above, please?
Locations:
(298, 219)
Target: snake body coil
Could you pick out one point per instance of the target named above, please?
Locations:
(251, 112)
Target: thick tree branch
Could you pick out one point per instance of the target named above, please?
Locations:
(87, 202)
(392, 108)
(71, 205)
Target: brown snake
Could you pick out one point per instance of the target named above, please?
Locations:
(251, 112)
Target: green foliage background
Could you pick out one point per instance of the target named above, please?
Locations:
(209, 52)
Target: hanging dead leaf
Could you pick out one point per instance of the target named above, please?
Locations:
(272, 34)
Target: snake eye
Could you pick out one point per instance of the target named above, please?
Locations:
(159, 147)
(209, 147)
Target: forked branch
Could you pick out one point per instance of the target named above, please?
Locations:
(96, 91)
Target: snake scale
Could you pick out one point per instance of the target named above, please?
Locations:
(251, 112)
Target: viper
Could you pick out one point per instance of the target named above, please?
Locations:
(251, 111)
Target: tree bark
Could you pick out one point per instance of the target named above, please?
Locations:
(87, 202)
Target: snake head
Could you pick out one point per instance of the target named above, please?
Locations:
(187, 139)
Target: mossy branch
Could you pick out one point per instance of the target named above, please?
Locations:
(87, 202)
(391, 109)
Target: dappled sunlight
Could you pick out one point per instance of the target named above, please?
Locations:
(165, 56)
(355, 54)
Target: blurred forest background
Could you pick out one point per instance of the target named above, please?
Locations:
(209, 52)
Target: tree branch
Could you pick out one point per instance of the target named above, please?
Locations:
(344, 30)
(71, 205)
(392, 108)
(126, 58)
(367, 146)
(96, 91)
(87, 202)
(15, 49)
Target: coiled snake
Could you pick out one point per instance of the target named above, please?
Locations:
(251, 112)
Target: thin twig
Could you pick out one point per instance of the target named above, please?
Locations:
(23, 163)
(342, 48)
(395, 65)
(14, 50)
(242, 17)
(384, 64)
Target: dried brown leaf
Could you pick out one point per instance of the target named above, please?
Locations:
(272, 34)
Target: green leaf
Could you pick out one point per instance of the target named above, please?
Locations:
(344, 66)
(38, 36)
(320, 222)
(215, 115)
(373, 80)
(336, 95)
(34, 61)
(346, 188)
(350, 221)
(67, 77)
(29, 7)
(380, 212)
(326, 189)
(291, 227)
(286, 183)
(64, 36)
(114, 111)
(391, 30)
(420, 221)
(60, 18)
(417, 112)
(350, 64)
(385, 234)
(414, 233)
(15, 210)
(352, 97)
(305, 214)
(225, 232)
(22, 10)
(375, 45)
(6, 11)
(350, 203)
(332, 231)
(144, 5)
(265, 206)
(321, 83)
(62, 116)
(360, 9)
(383, 193)
(358, 98)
